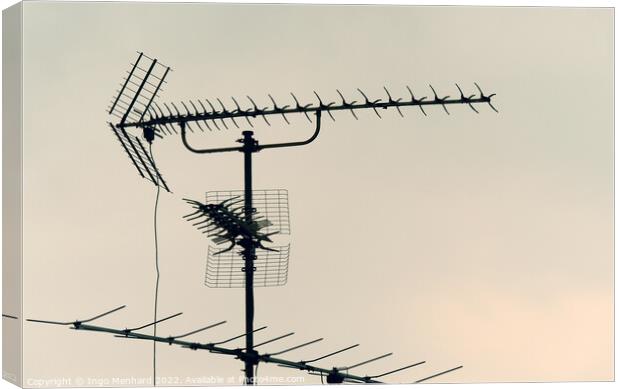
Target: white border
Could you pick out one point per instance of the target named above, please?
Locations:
(530, 3)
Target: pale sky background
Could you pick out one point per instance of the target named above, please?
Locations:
(483, 240)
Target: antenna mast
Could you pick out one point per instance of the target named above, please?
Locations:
(248, 241)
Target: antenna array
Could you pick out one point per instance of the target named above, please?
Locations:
(243, 219)
(138, 91)
(215, 116)
(333, 375)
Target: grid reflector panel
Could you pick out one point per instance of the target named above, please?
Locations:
(272, 204)
(226, 270)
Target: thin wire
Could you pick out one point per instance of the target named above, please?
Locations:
(255, 375)
(157, 271)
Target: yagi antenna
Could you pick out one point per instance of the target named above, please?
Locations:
(199, 114)
(135, 99)
(332, 375)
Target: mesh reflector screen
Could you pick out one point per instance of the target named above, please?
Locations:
(226, 270)
(272, 204)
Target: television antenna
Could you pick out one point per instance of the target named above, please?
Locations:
(239, 226)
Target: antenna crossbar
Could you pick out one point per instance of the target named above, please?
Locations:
(239, 353)
(159, 119)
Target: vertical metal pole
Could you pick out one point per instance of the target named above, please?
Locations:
(249, 356)
(249, 254)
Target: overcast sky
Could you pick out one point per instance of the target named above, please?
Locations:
(482, 240)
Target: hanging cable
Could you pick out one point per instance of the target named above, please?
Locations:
(156, 270)
(255, 375)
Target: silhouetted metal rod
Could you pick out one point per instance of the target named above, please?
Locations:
(140, 87)
(155, 322)
(251, 113)
(237, 352)
(438, 374)
(239, 336)
(258, 147)
(274, 339)
(137, 153)
(197, 331)
(152, 164)
(212, 347)
(133, 160)
(397, 370)
(104, 314)
(127, 80)
(249, 251)
(298, 346)
(330, 354)
(137, 335)
(78, 322)
(171, 339)
(9, 316)
(366, 362)
(311, 368)
(161, 81)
